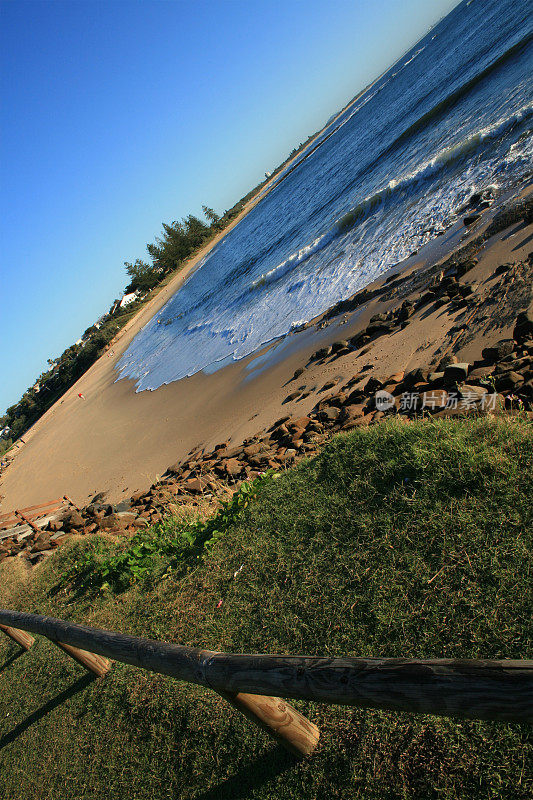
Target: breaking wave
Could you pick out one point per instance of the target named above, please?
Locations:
(441, 161)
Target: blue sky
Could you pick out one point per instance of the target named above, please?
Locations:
(118, 116)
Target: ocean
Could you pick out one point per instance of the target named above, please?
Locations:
(453, 116)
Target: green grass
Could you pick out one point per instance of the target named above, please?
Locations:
(399, 540)
(153, 553)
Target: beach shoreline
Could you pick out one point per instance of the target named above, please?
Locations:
(119, 441)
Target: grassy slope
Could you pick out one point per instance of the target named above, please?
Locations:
(399, 540)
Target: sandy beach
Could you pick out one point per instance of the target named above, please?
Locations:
(119, 441)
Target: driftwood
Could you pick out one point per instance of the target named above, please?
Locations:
(493, 690)
(35, 528)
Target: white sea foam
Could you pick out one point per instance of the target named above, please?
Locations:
(271, 284)
(440, 161)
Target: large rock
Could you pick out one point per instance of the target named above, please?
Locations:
(434, 400)
(498, 351)
(524, 325)
(110, 522)
(386, 326)
(73, 519)
(253, 449)
(509, 381)
(406, 310)
(196, 485)
(42, 543)
(329, 414)
(232, 467)
(351, 412)
(292, 396)
(126, 518)
(416, 376)
(456, 373)
(342, 344)
(324, 352)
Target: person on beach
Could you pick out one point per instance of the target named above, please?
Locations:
(80, 395)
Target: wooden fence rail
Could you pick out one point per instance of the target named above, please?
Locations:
(255, 684)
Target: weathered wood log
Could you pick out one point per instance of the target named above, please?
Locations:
(495, 690)
(98, 665)
(28, 521)
(20, 637)
(279, 719)
(70, 502)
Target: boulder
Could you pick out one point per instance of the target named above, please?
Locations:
(292, 396)
(396, 378)
(351, 412)
(73, 519)
(99, 498)
(406, 310)
(196, 485)
(232, 467)
(498, 351)
(509, 381)
(456, 373)
(416, 376)
(324, 352)
(41, 543)
(380, 327)
(253, 449)
(329, 414)
(301, 423)
(109, 522)
(475, 199)
(524, 325)
(434, 400)
(469, 392)
(372, 385)
(342, 344)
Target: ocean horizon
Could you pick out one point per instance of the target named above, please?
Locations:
(391, 173)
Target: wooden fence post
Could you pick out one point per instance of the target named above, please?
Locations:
(20, 637)
(278, 718)
(98, 665)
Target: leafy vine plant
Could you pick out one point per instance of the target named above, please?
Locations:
(157, 551)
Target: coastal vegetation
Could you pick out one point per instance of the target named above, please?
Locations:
(402, 539)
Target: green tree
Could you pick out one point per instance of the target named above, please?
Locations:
(143, 276)
(212, 216)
